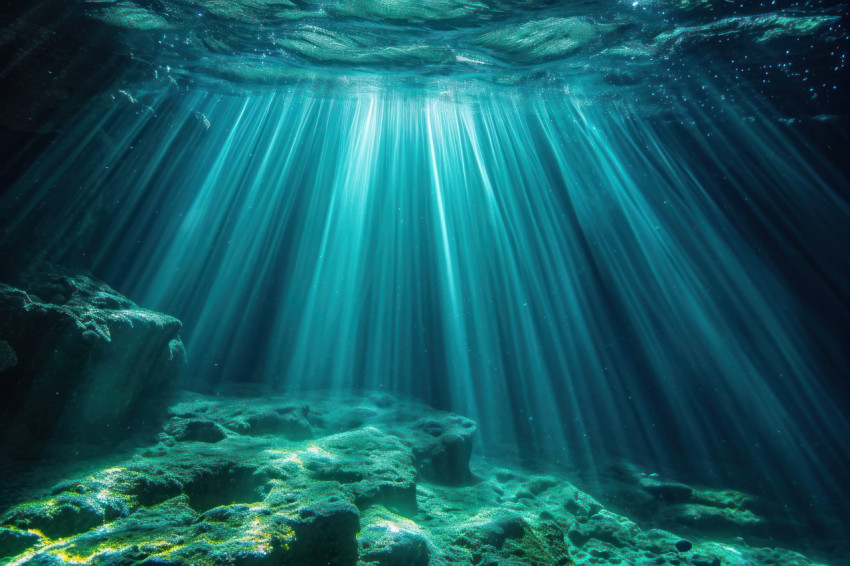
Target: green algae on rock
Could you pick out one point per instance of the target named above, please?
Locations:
(83, 347)
(389, 539)
(353, 492)
(676, 505)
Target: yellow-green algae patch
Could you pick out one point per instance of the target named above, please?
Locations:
(353, 493)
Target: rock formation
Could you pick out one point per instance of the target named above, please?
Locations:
(334, 480)
(79, 361)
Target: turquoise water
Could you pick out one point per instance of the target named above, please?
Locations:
(603, 232)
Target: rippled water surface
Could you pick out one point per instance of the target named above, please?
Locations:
(616, 47)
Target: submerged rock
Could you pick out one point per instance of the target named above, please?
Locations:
(14, 541)
(289, 422)
(196, 430)
(350, 495)
(387, 539)
(442, 446)
(673, 504)
(671, 492)
(88, 361)
(375, 467)
(439, 443)
(325, 533)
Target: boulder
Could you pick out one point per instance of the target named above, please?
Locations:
(342, 498)
(14, 541)
(88, 362)
(289, 422)
(387, 539)
(442, 446)
(197, 430)
(710, 518)
(325, 533)
(673, 504)
(372, 466)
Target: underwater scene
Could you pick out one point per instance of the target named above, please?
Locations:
(424, 282)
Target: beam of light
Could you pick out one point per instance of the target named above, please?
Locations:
(567, 275)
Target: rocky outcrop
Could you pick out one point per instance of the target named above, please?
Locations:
(442, 447)
(673, 504)
(440, 443)
(350, 494)
(79, 360)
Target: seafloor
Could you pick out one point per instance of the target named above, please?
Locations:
(366, 480)
(103, 461)
(309, 479)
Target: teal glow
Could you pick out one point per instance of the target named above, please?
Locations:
(561, 272)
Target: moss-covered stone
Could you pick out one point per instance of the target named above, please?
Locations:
(197, 430)
(89, 362)
(388, 539)
(67, 514)
(14, 541)
(350, 495)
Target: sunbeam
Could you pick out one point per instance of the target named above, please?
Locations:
(561, 273)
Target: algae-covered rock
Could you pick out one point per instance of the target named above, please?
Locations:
(67, 514)
(712, 518)
(350, 495)
(442, 446)
(89, 362)
(14, 541)
(440, 443)
(196, 430)
(387, 539)
(673, 504)
(493, 527)
(374, 467)
(605, 527)
(326, 531)
(287, 421)
(579, 503)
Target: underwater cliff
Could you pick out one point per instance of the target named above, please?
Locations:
(402, 282)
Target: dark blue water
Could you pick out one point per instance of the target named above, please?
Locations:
(604, 231)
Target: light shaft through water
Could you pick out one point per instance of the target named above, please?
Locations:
(561, 273)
